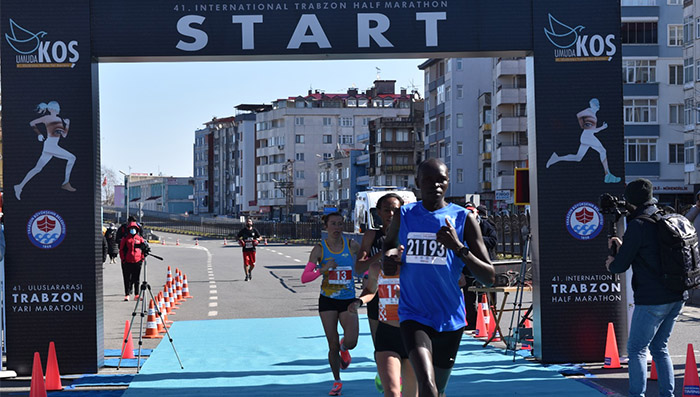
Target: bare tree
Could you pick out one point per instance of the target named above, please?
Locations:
(109, 179)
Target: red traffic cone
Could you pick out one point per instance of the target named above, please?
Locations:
(162, 242)
(196, 241)
(691, 383)
(177, 242)
(185, 288)
(53, 376)
(38, 387)
(225, 241)
(265, 240)
(653, 375)
(152, 325)
(481, 331)
(612, 358)
(169, 277)
(127, 343)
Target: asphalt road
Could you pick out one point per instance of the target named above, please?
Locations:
(216, 281)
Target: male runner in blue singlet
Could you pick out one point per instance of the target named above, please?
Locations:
(438, 240)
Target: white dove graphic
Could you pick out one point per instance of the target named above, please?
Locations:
(565, 39)
(22, 44)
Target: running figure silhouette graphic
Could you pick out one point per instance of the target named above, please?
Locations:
(589, 122)
(56, 127)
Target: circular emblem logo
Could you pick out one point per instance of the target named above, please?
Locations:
(584, 221)
(46, 229)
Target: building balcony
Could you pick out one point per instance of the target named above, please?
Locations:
(486, 156)
(505, 95)
(508, 67)
(485, 186)
(504, 182)
(398, 169)
(511, 124)
(362, 138)
(400, 145)
(510, 153)
(486, 127)
(362, 159)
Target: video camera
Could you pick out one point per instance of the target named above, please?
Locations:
(610, 204)
(146, 249)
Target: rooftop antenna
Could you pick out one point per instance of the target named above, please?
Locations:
(379, 71)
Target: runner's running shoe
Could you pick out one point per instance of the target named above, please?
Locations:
(345, 358)
(337, 389)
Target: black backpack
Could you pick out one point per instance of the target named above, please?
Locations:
(678, 248)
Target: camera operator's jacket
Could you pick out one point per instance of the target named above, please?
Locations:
(640, 249)
(130, 248)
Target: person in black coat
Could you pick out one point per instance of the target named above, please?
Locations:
(112, 245)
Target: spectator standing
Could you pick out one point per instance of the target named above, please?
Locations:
(112, 246)
(132, 248)
(656, 307)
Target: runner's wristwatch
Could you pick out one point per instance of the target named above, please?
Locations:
(463, 252)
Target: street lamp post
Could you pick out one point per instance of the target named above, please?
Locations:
(127, 178)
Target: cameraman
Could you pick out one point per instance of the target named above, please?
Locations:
(656, 307)
(132, 251)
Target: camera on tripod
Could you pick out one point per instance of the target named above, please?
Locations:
(610, 204)
(146, 250)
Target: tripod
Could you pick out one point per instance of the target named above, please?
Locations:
(514, 336)
(144, 311)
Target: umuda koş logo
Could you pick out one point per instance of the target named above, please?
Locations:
(46, 229)
(33, 50)
(584, 221)
(571, 44)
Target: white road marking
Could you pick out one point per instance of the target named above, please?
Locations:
(212, 313)
(297, 260)
(213, 304)
(213, 298)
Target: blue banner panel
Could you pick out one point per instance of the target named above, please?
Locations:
(578, 154)
(307, 29)
(51, 171)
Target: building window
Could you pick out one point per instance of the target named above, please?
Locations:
(299, 120)
(401, 136)
(299, 174)
(327, 156)
(299, 192)
(688, 74)
(675, 153)
(460, 148)
(346, 122)
(448, 122)
(675, 74)
(448, 92)
(327, 121)
(440, 94)
(639, 71)
(687, 30)
(639, 33)
(689, 152)
(672, 2)
(688, 111)
(352, 102)
(460, 91)
(327, 138)
(460, 120)
(697, 70)
(640, 111)
(642, 150)
(299, 139)
(365, 121)
(459, 63)
(675, 113)
(345, 139)
(675, 33)
(697, 28)
(460, 175)
(299, 157)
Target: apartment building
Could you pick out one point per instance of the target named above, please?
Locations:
(658, 77)
(690, 75)
(215, 163)
(452, 87)
(299, 132)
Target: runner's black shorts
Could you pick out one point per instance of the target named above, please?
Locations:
(326, 304)
(444, 345)
(388, 338)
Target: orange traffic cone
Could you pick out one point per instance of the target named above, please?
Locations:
(481, 331)
(691, 383)
(38, 387)
(225, 241)
(653, 375)
(162, 242)
(166, 299)
(612, 358)
(177, 242)
(127, 343)
(169, 277)
(53, 376)
(151, 325)
(185, 288)
(171, 295)
(178, 288)
(265, 240)
(196, 242)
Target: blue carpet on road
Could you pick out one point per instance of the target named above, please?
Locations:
(288, 356)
